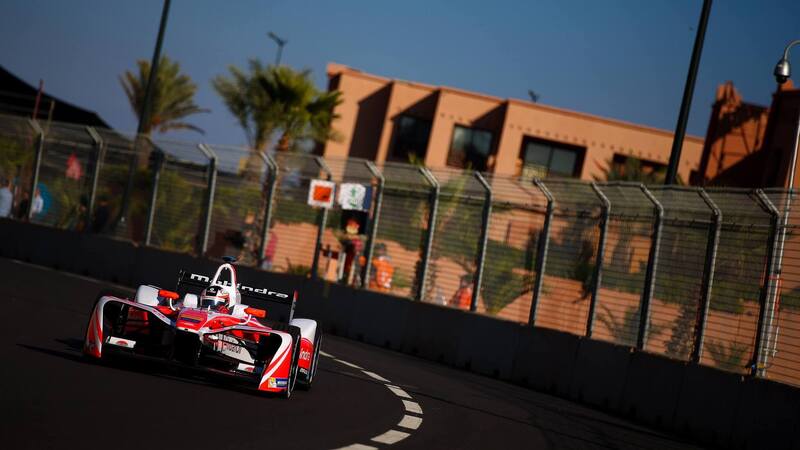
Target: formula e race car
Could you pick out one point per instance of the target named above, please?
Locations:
(204, 324)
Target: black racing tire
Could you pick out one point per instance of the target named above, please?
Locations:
(312, 371)
(293, 367)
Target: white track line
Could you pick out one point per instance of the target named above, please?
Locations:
(348, 364)
(408, 422)
(398, 392)
(412, 407)
(390, 437)
(375, 375)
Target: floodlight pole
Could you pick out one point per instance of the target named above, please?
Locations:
(144, 113)
(281, 42)
(766, 339)
(688, 92)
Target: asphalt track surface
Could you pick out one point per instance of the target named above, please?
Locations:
(51, 397)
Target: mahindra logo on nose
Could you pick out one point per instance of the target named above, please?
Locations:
(240, 286)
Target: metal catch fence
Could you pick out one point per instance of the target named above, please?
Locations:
(708, 276)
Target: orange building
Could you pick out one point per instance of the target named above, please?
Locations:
(392, 120)
(749, 145)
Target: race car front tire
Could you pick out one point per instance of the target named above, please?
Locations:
(312, 370)
(294, 366)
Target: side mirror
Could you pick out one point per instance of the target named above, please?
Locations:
(260, 313)
(168, 294)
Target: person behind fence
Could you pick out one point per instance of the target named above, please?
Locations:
(6, 197)
(38, 203)
(269, 251)
(463, 295)
(382, 270)
(248, 256)
(102, 213)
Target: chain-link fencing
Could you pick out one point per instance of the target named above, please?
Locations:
(708, 276)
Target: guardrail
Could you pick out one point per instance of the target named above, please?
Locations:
(710, 276)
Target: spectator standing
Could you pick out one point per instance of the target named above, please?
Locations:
(269, 251)
(101, 215)
(463, 296)
(38, 203)
(382, 270)
(6, 198)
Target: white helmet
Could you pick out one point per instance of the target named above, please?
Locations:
(215, 298)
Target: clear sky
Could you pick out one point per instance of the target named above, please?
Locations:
(624, 59)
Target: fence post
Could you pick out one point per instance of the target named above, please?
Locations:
(650, 274)
(766, 309)
(708, 276)
(487, 213)
(373, 225)
(151, 210)
(272, 180)
(541, 251)
(37, 164)
(597, 276)
(210, 191)
(426, 252)
(323, 219)
(98, 162)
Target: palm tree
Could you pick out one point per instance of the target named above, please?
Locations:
(173, 96)
(270, 99)
(247, 101)
(302, 112)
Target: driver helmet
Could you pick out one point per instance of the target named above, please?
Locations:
(214, 298)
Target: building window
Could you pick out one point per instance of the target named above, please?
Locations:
(410, 139)
(541, 159)
(631, 168)
(470, 148)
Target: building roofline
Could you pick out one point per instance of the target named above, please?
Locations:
(337, 69)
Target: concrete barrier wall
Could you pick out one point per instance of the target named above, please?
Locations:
(698, 402)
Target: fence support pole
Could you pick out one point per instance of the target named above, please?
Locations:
(597, 276)
(151, 210)
(271, 181)
(487, 213)
(768, 295)
(541, 251)
(323, 219)
(426, 252)
(708, 276)
(99, 155)
(37, 164)
(650, 274)
(373, 225)
(210, 191)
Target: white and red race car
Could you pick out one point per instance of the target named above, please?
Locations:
(204, 324)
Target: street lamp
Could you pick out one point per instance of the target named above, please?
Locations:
(766, 339)
(281, 43)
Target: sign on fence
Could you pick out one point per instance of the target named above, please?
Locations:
(352, 196)
(320, 193)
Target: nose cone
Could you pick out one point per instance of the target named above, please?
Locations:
(782, 71)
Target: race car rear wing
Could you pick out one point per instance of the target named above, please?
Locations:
(250, 295)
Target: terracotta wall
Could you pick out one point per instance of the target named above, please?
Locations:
(372, 104)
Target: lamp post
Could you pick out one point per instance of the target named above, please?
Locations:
(281, 42)
(688, 92)
(767, 339)
(144, 116)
